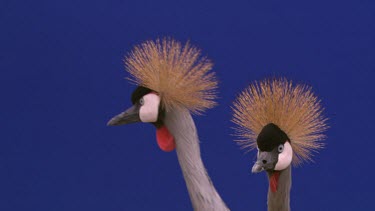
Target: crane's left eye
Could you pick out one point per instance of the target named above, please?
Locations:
(141, 101)
(280, 148)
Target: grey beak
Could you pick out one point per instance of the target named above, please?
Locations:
(257, 168)
(265, 161)
(131, 115)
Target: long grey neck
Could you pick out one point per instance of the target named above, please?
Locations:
(203, 194)
(279, 201)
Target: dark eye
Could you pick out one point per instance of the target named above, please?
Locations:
(141, 101)
(280, 148)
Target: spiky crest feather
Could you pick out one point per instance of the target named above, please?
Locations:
(295, 109)
(178, 73)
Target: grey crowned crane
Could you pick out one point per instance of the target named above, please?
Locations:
(174, 80)
(285, 123)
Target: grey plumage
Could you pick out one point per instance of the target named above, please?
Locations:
(280, 200)
(203, 194)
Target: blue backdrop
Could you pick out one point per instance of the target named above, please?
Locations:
(62, 79)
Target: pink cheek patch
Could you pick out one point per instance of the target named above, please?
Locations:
(165, 139)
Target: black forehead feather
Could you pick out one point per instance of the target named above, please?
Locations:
(139, 92)
(270, 137)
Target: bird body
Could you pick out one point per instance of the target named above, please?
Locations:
(285, 123)
(173, 82)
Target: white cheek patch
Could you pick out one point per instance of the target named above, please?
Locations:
(285, 158)
(149, 111)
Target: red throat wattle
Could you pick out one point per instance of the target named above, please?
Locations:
(274, 180)
(165, 139)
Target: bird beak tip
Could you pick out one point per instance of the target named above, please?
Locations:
(113, 122)
(257, 168)
(131, 115)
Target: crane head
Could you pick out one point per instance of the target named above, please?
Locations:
(170, 76)
(146, 108)
(275, 152)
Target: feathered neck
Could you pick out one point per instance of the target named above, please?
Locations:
(203, 194)
(280, 200)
